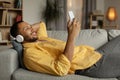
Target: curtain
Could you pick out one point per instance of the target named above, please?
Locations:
(88, 7)
(55, 14)
(60, 22)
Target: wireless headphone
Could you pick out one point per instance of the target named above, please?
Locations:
(18, 38)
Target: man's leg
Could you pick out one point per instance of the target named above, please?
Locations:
(109, 65)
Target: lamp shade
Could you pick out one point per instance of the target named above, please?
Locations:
(111, 14)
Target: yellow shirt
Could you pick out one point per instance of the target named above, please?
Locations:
(47, 56)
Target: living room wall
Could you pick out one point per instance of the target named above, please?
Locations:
(100, 5)
(103, 6)
(116, 4)
(32, 10)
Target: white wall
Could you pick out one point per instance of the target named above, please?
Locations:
(100, 5)
(32, 10)
(103, 6)
(116, 4)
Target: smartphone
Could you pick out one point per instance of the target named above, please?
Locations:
(71, 15)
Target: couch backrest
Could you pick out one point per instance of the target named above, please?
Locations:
(113, 33)
(91, 37)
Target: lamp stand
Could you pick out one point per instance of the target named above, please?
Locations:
(113, 24)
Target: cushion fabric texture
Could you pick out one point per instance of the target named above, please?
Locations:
(22, 74)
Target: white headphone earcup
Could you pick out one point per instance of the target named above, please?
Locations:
(19, 38)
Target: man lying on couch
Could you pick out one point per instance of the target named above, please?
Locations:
(51, 56)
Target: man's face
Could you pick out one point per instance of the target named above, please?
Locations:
(27, 32)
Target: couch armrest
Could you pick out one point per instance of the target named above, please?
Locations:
(8, 63)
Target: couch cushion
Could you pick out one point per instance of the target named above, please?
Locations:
(91, 37)
(61, 35)
(22, 74)
(3, 47)
(113, 33)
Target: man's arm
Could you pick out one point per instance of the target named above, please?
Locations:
(73, 31)
(40, 28)
(36, 26)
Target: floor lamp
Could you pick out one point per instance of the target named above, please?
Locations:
(112, 16)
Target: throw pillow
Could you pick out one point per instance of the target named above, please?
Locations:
(19, 48)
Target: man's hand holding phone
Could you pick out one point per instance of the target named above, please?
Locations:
(73, 25)
(73, 28)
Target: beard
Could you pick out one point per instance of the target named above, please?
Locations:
(31, 39)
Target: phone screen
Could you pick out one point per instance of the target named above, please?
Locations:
(71, 15)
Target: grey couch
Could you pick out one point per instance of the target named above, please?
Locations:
(10, 70)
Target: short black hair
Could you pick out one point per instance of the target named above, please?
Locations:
(14, 29)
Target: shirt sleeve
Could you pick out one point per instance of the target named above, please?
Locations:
(39, 61)
(42, 32)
